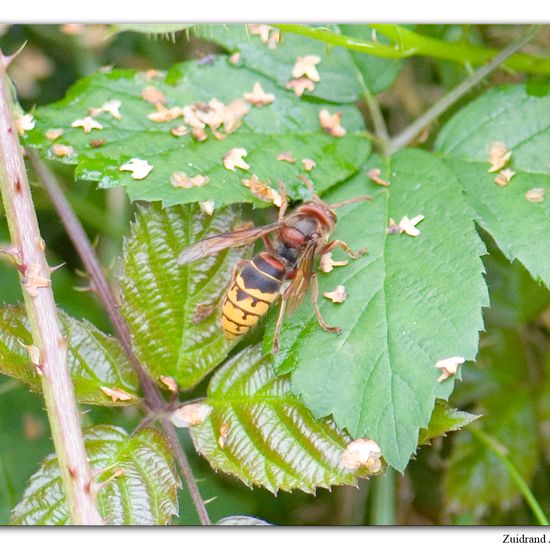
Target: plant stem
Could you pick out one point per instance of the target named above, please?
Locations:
(501, 453)
(408, 135)
(28, 254)
(153, 397)
(409, 43)
(383, 499)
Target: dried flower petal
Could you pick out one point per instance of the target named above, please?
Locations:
(448, 366)
(207, 207)
(181, 179)
(309, 164)
(24, 123)
(170, 383)
(331, 123)
(180, 130)
(139, 168)
(116, 394)
(234, 159)
(87, 124)
(287, 157)
(300, 85)
(32, 280)
(327, 264)
(190, 415)
(306, 66)
(535, 195)
(337, 296)
(374, 175)
(234, 58)
(224, 430)
(499, 155)
(260, 30)
(262, 190)
(406, 225)
(504, 176)
(60, 150)
(153, 95)
(362, 453)
(54, 133)
(258, 97)
(112, 107)
(164, 114)
(199, 134)
(34, 353)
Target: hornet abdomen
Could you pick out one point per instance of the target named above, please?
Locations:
(255, 287)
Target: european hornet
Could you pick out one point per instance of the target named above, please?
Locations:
(297, 239)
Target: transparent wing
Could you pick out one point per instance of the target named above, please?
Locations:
(300, 284)
(216, 243)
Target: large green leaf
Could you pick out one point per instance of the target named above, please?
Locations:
(412, 301)
(518, 116)
(287, 124)
(162, 301)
(95, 359)
(260, 432)
(138, 476)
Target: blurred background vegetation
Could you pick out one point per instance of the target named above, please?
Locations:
(458, 479)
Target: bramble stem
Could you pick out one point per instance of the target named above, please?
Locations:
(409, 43)
(49, 351)
(501, 453)
(153, 397)
(408, 135)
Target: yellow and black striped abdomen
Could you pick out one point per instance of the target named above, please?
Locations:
(251, 293)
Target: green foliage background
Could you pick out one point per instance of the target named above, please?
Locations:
(457, 479)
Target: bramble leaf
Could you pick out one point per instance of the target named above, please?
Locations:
(261, 433)
(171, 309)
(412, 301)
(519, 117)
(121, 130)
(95, 359)
(137, 479)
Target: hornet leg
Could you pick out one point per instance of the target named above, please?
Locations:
(314, 300)
(344, 246)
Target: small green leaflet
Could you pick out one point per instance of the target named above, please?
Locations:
(261, 433)
(412, 301)
(125, 132)
(95, 359)
(137, 481)
(172, 310)
(519, 117)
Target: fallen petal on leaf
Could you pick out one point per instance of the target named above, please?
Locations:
(362, 453)
(233, 159)
(139, 168)
(338, 295)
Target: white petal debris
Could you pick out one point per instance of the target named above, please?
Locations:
(54, 133)
(61, 150)
(116, 394)
(309, 164)
(207, 207)
(448, 366)
(87, 124)
(306, 66)
(499, 156)
(153, 95)
(24, 123)
(181, 179)
(504, 176)
(180, 130)
(327, 264)
(535, 195)
(300, 85)
(260, 30)
(140, 168)
(163, 114)
(112, 107)
(362, 453)
(338, 295)
(262, 190)
(331, 124)
(258, 97)
(190, 415)
(374, 175)
(234, 58)
(406, 225)
(224, 430)
(233, 159)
